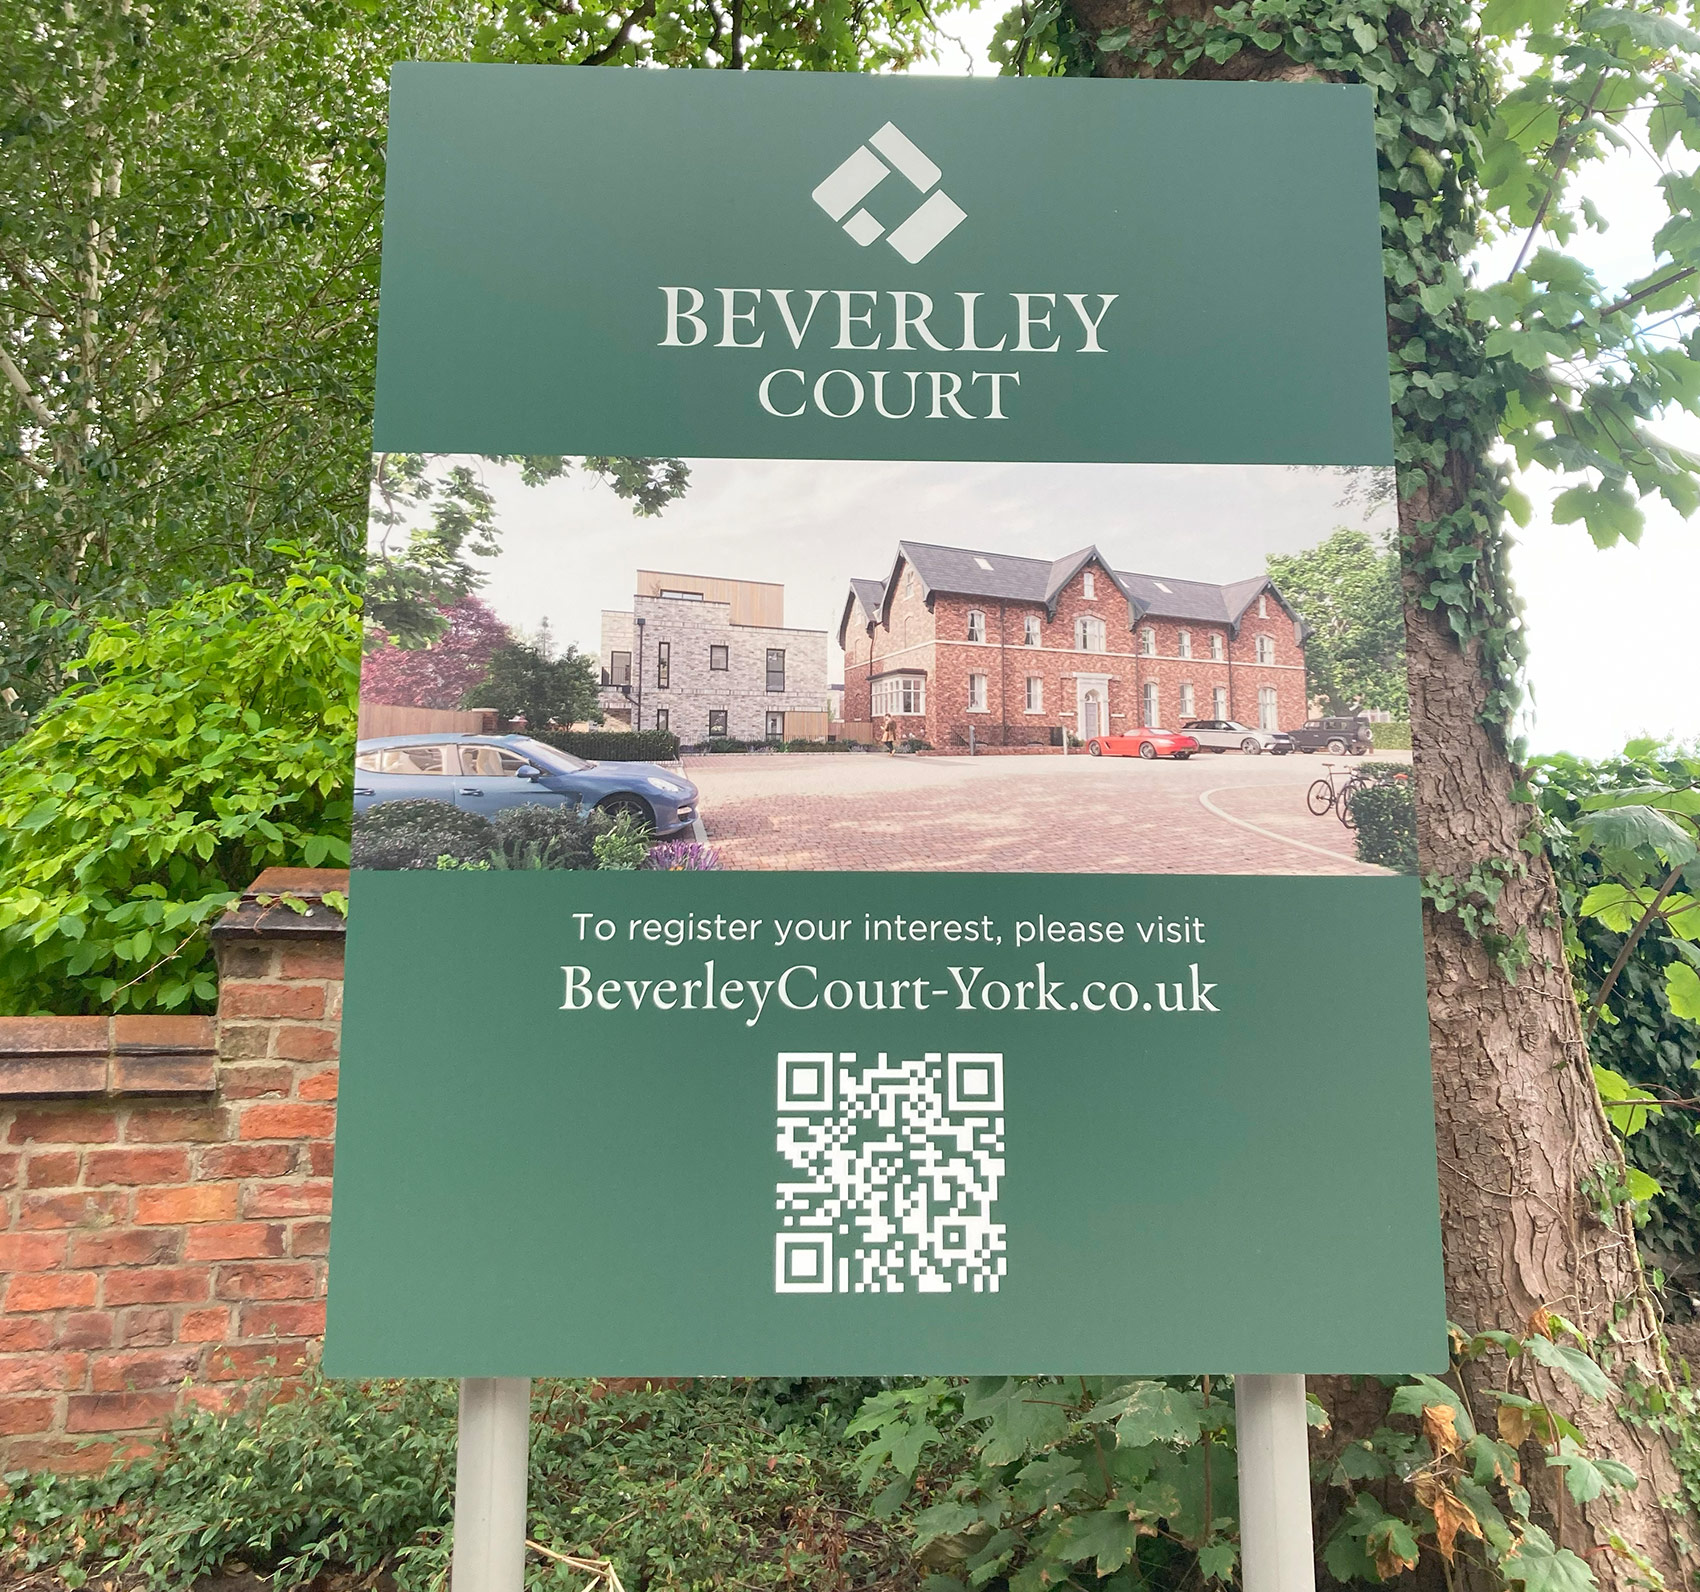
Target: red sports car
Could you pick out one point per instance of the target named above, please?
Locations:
(1143, 743)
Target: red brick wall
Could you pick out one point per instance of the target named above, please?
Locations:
(165, 1191)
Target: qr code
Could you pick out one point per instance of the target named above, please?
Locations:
(899, 1164)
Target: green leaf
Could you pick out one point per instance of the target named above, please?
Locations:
(1024, 1416)
(1217, 1560)
(1572, 1362)
(1633, 827)
(1627, 1106)
(1540, 1567)
(1152, 1412)
(1682, 990)
(1106, 1536)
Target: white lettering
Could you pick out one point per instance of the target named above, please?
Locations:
(1090, 324)
(997, 378)
(1027, 322)
(730, 315)
(969, 346)
(848, 320)
(782, 297)
(675, 315)
(826, 408)
(765, 394)
(905, 322)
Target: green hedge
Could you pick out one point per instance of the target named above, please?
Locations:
(1391, 737)
(1386, 818)
(723, 743)
(614, 746)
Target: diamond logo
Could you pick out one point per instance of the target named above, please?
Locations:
(928, 225)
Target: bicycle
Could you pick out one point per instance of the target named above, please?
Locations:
(1324, 796)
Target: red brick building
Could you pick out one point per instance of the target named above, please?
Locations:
(1021, 648)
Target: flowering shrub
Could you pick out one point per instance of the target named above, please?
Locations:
(683, 856)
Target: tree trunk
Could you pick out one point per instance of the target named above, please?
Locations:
(1521, 1133)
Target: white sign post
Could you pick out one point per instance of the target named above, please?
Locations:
(1276, 1553)
(492, 1464)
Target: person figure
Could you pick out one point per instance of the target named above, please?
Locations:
(888, 734)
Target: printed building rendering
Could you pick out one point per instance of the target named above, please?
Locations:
(1020, 649)
(706, 657)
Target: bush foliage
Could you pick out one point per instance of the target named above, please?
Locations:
(706, 1485)
(1385, 818)
(613, 746)
(209, 740)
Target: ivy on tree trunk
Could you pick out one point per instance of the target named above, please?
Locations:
(1523, 1140)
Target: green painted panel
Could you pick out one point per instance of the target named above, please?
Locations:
(525, 1190)
(534, 216)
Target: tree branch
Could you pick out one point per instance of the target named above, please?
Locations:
(16, 377)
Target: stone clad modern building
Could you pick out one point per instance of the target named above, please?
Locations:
(703, 656)
(1019, 649)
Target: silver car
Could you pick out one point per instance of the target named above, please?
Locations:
(1224, 735)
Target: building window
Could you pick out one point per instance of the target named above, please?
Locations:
(1035, 694)
(619, 668)
(776, 726)
(663, 665)
(776, 668)
(1266, 712)
(717, 658)
(1089, 634)
(1150, 695)
(1030, 631)
(1263, 605)
(976, 625)
(1216, 645)
(1183, 643)
(902, 695)
(1187, 709)
(663, 719)
(1219, 702)
(976, 693)
(717, 722)
(909, 583)
(1087, 586)
(1265, 649)
(1148, 643)
(682, 596)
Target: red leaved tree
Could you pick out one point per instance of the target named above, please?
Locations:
(440, 675)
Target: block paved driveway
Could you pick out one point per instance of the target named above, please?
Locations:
(1223, 813)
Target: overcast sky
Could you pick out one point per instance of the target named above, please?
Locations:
(570, 549)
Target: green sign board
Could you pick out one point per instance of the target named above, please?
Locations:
(884, 907)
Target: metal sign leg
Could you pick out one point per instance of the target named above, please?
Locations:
(1276, 1554)
(491, 1467)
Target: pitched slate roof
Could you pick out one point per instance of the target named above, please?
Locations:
(965, 572)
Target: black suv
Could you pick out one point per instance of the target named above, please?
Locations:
(1338, 736)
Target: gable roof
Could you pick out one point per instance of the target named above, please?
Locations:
(967, 572)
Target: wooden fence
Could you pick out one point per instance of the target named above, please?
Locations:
(385, 718)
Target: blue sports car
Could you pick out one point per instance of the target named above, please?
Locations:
(485, 773)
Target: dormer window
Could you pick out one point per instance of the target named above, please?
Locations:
(1030, 631)
(1088, 586)
(976, 625)
(1148, 643)
(1183, 643)
(1263, 605)
(909, 583)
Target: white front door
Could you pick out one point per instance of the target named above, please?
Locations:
(1091, 715)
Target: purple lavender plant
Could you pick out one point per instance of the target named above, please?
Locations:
(683, 856)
